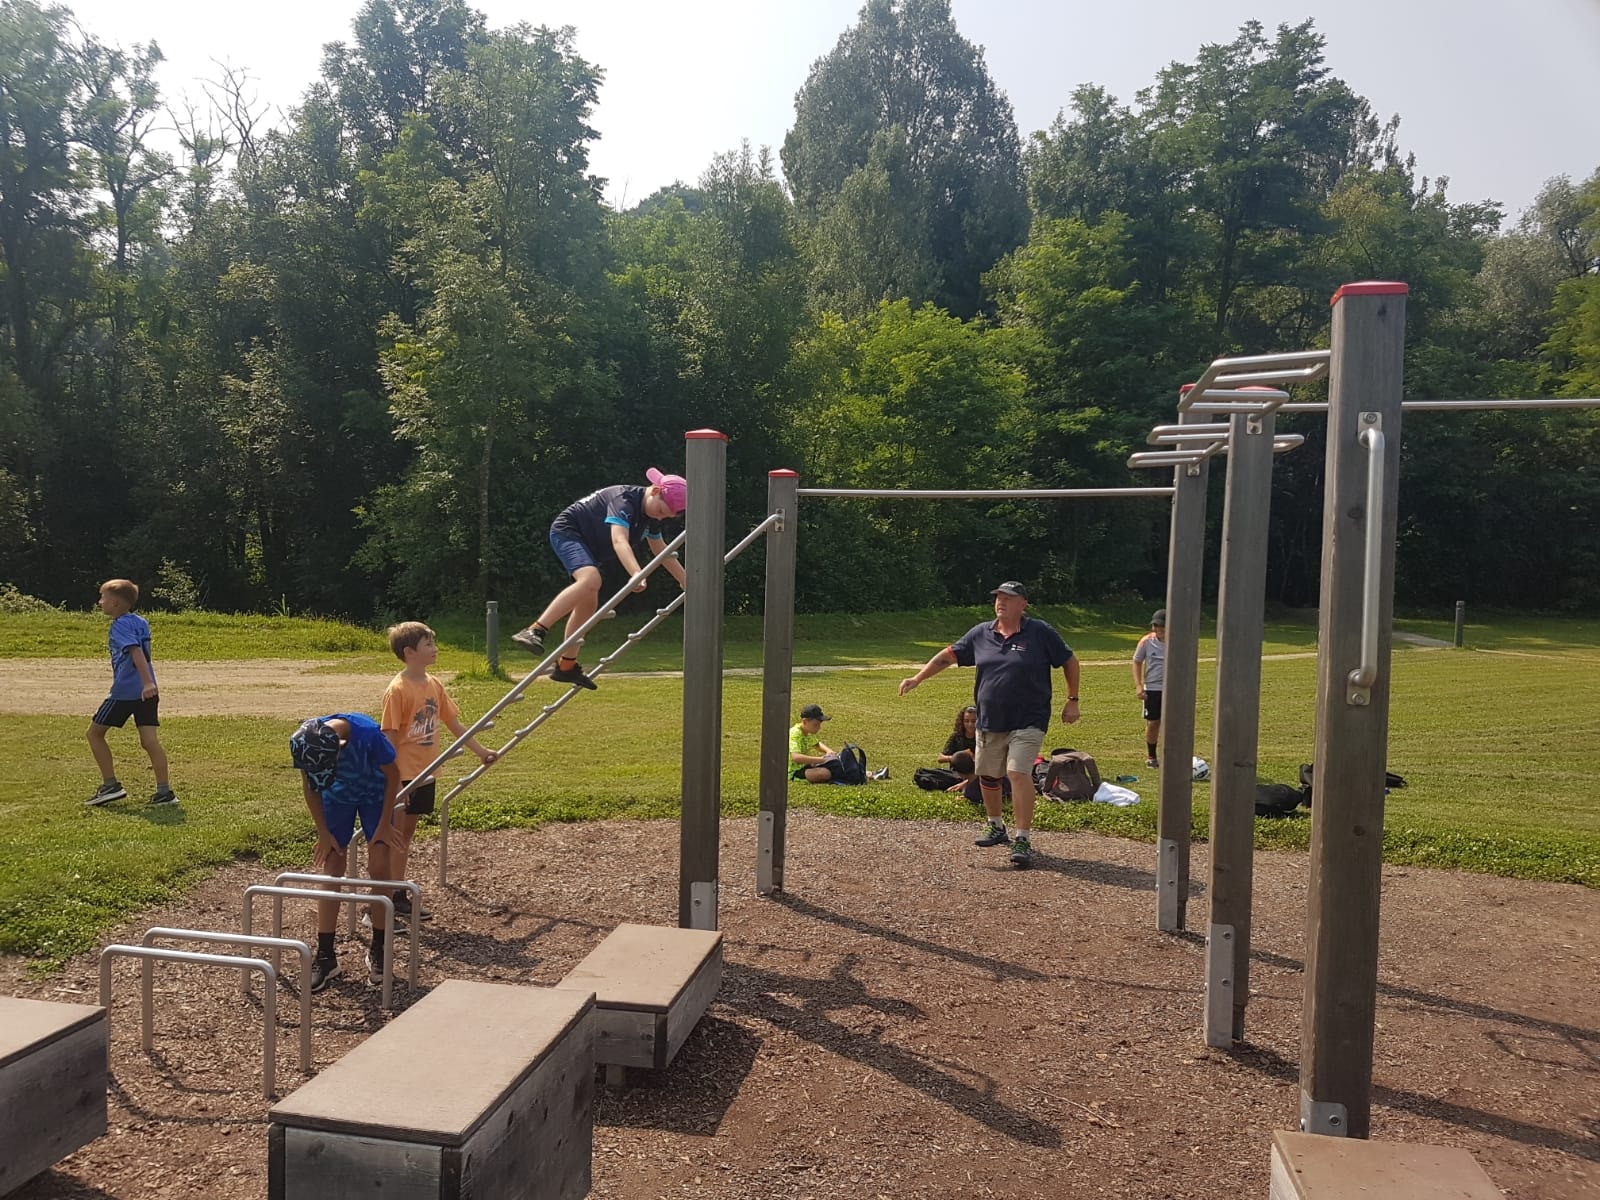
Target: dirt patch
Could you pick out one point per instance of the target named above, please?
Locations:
(914, 1019)
(258, 687)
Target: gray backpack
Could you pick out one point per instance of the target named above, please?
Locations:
(1067, 774)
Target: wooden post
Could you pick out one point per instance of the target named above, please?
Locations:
(706, 469)
(1185, 575)
(777, 666)
(1356, 610)
(1241, 601)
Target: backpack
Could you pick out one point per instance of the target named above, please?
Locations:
(1277, 799)
(1308, 770)
(934, 779)
(852, 765)
(1067, 774)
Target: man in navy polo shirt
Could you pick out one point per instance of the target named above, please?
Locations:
(1015, 655)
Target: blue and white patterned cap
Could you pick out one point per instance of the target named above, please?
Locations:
(314, 749)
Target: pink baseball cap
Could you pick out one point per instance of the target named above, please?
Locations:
(674, 489)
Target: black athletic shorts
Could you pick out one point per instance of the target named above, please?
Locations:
(115, 713)
(419, 800)
(1152, 706)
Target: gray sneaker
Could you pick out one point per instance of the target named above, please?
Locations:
(993, 835)
(1021, 852)
(106, 793)
(530, 640)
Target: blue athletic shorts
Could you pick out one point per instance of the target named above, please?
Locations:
(341, 819)
(573, 552)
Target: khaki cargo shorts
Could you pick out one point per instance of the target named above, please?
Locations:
(1002, 751)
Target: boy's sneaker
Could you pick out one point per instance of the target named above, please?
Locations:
(993, 835)
(164, 795)
(106, 793)
(574, 674)
(1021, 852)
(375, 965)
(399, 921)
(530, 640)
(1150, 762)
(323, 970)
(402, 909)
(881, 773)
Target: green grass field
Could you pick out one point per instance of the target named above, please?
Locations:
(1500, 743)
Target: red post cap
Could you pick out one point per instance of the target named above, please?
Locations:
(704, 435)
(783, 473)
(1369, 287)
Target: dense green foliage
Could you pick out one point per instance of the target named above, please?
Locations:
(355, 362)
(74, 871)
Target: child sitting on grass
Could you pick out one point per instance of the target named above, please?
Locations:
(347, 772)
(415, 704)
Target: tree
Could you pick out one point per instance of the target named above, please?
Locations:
(905, 66)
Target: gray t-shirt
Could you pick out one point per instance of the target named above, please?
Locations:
(1152, 652)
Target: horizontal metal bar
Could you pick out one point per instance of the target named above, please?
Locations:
(275, 944)
(1108, 493)
(1281, 444)
(1187, 433)
(1537, 402)
(150, 954)
(385, 906)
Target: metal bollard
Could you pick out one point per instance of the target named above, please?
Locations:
(491, 641)
(1461, 623)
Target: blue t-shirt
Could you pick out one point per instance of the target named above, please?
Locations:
(1013, 688)
(358, 777)
(589, 519)
(127, 631)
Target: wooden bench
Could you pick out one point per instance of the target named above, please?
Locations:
(479, 1090)
(651, 985)
(1309, 1166)
(53, 1065)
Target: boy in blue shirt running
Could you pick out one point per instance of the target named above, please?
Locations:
(133, 694)
(347, 772)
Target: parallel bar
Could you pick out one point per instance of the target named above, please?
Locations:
(1241, 604)
(275, 944)
(1342, 922)
(1185, 576)
(388, 885)
(1108, 493)
(777, 659)
(1321, 406)
(280, 894)
(706, 468)
(269, 1001)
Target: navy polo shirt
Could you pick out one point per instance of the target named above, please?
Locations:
(1012, 690)
(589, 519)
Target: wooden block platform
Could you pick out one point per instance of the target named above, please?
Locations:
(52, 1084)
(479, 1090)
(651, 985)
(1308, 1166)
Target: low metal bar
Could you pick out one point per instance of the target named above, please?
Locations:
(1281, 444)
(1365, 675)
(280, 894)
(1163, 434)
(391, 885)
(276, 944)
(1536, 402)
(269, 1002)
(1107, 493)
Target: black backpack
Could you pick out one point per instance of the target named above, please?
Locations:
(934, 779)
(852, 765)
(1277, 799)
(1067, 774)
(1308, 771)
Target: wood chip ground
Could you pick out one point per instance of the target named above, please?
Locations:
(912, 1018)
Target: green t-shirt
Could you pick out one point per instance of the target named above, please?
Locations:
(801, 742)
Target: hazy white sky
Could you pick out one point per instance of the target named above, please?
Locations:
(1499, 97)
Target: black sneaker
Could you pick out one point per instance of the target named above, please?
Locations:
(574, 674)
(106, 793)
(881, 773)
(530, 640)
(323, 970)
(1022, 852)
(164, 795)
(1151, 762)
(402, 908)
(994, 835)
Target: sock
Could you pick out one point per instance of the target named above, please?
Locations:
(1152, 748)
(377, 945)
(539, 629)
(325, 945)
(1024, 833)
(566, 664)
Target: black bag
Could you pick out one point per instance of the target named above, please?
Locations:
(852, 765)
(1067, 774)
(934, 779)
(1308, 770)
(1277, 799)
